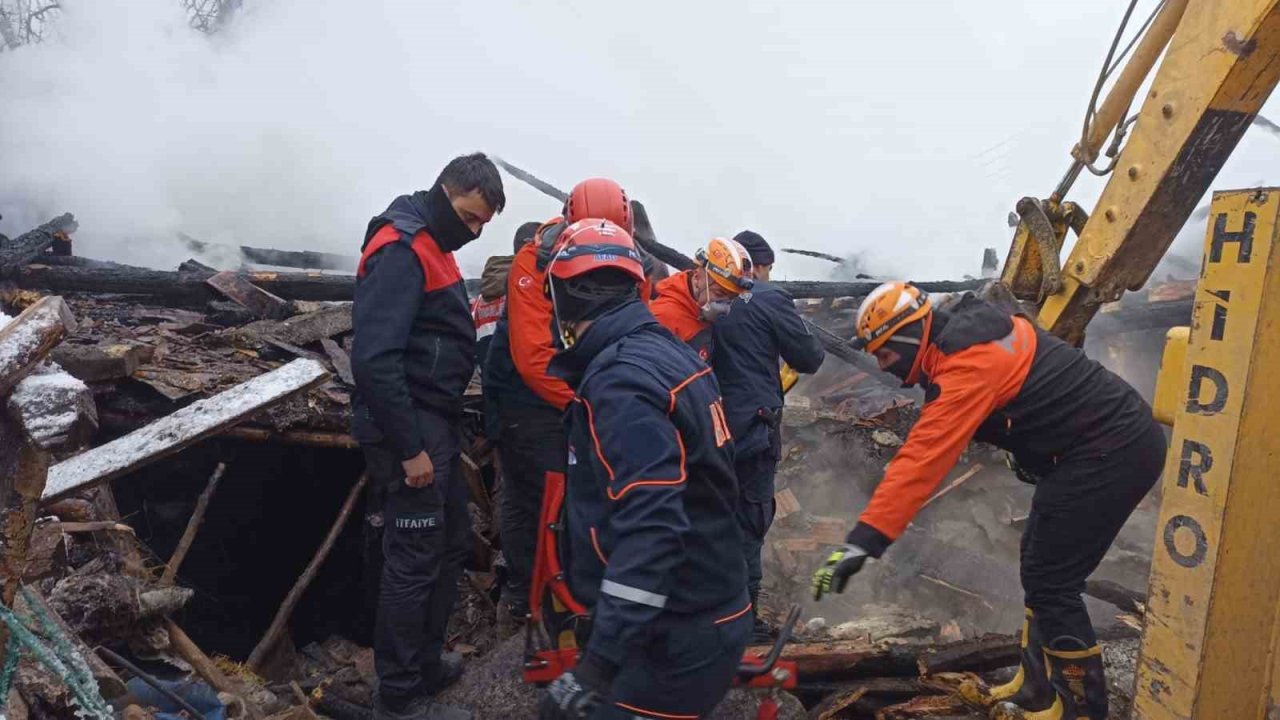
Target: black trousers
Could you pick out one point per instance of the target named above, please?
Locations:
(532, 443)
(1076, 513)
(684, 670)
(756, 508)
(426, 538)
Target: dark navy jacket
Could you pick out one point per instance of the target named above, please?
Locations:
(651, 488)
(414, 345)
(759, 328)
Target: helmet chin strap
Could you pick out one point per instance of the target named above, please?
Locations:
(913, 376)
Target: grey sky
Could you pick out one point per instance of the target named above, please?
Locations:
(905, 131)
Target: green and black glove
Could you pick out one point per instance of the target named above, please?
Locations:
(843, 563)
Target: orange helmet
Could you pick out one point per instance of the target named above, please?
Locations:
(888, 309)
(599, 198)
(728, 264)
(590, 245)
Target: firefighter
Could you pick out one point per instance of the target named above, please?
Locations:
(763, 327)
(413, 355)
(1083, 435)
(688, 302)
(654, 551)
(487, 310)
(531, 410)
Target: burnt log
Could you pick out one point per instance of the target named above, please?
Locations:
(21, 250)
(238, 289)
(304, 259)
(1122, 597)
(177, 289)
(861, 288)
(1159, 315)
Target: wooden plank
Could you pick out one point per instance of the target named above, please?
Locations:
(827, 530)
(237, 288)
(340, 359)
(980, 654)
(29, 338)
(183, 428)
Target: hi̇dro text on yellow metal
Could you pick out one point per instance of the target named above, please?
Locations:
(1215, 576)
(1211, 637)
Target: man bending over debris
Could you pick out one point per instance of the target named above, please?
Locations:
(1080, 433)
(654, 549)
(689, 301)
(764, 325)
(413, 356)
(531, 408)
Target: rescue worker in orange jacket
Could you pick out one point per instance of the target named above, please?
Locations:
(532, 402)
(689, 301)
(1082, 434)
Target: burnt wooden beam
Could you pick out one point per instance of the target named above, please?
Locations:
(1159, 315)
(29, 338)
(303, 259)
(1116, 594)
(183, 428)
(237, 288)
(179, 289)
(860, 288)
(21, 250)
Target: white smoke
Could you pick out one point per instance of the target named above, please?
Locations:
(892, 131)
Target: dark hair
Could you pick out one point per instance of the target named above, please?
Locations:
(525, 233)
(475, 172)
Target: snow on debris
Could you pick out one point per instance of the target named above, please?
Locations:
(49, 402)
(175, 431)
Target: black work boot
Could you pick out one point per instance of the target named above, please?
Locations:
(1076, 671)
(1030, 687)
(419, 708)
(1030, 694)
(440, 675)
(762, 633)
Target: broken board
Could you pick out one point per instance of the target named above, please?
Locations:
(183, 428)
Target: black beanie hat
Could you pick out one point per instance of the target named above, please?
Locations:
(757, 247)
(525, 233)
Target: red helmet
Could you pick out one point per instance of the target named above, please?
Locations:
(599, 198)
(594, 244)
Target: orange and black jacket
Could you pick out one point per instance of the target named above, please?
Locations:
(998, 379)
(414, 345)
(681, 313)
(524, 339)
(651, 490)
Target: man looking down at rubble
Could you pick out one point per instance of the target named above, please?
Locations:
(532, 401)
(688, 302)
(1083, 435)
(654, 550)
(412, 358)
(763, 328)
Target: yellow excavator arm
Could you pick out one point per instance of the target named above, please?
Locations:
(1221, 62)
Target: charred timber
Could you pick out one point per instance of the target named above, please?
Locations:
(860, 288)
(21, 250)
(1159, 315)
(178, 289)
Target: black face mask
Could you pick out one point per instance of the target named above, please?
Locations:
(446, 227)
(901, 368)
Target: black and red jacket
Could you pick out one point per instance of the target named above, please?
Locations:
(414, 344)
(997, 378)
(651, 490)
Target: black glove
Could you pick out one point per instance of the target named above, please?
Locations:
(841, 564)
(576, 694)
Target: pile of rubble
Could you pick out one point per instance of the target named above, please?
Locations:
(144, 365)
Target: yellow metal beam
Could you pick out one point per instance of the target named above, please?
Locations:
(1215, 576)
(1221, 65)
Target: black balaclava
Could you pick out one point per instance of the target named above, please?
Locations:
(448, 230)
(905, 342)
(589, 296)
